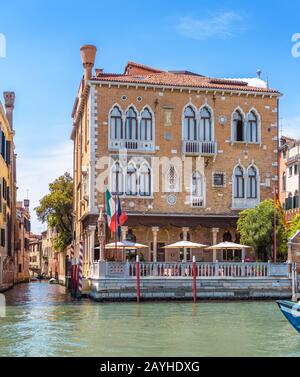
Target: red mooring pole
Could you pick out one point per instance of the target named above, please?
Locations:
(275, 225)
(138, 280)
(195, 279)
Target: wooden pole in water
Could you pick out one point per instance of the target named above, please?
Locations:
(195, 279)
(80, 270)
(138, 281)
(275, 225)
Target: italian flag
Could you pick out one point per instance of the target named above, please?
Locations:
(115, 217)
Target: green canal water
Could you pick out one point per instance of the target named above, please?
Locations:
(42, 320)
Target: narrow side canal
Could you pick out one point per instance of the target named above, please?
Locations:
(42, 320)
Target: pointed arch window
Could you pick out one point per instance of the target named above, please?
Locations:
(238, 126)
(205, 124)
(131, 180)
(145, 181)
(252, 183)
(252, 127)
(146, 126)
(116, 124)
(197, 185)
(131, 130)
(117, 180)
(239, 183)
(190, 124)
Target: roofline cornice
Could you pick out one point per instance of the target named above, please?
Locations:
(184, 88)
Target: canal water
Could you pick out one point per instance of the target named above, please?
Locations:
(42, 320)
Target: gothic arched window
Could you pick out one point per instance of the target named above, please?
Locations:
(238, 126)
(131, 180)
(197, 185)
(190, 124)
(252, 127)
(239, 183)
(146, 126)
(131, 130)
(145, 181)
(252, 183)
(205, 124)
(117, 179)
(116, 124)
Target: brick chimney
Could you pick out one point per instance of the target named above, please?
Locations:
(88, 55)
(9, 102)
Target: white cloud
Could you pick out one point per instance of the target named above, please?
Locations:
(219, 25)
(291, 127)
(35, 170)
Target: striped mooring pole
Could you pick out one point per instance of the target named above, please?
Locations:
(73, 269)
(194, 280)
(80, 270)
(138, 280)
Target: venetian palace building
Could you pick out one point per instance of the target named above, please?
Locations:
(186, 152)
(7, 190)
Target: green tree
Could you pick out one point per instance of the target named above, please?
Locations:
(256, 227)
(56, 208)
(294, 227)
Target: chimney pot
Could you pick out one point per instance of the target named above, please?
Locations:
(258, 73)
(88, 55)
(9, 102)
(98, 72)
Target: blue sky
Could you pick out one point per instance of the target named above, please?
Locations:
(215, 38)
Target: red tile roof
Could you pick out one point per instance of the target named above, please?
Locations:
(140, 74)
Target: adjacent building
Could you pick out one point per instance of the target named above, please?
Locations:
(185, 152)
(289, 183)
(49, 255)
(23, 235)
(35, 255)
(7, 191)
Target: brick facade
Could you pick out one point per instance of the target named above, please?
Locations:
(208, 223)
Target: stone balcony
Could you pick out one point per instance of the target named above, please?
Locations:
(131, 145)
(199, 148)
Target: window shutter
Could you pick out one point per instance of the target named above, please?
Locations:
(3, 237)
(8, 143)
(3, 145)
(0, 198)
(8, 196)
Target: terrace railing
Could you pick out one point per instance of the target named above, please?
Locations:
(175, 270)
(199, 148)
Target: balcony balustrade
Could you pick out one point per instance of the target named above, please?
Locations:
(133, 145)
(199, 148)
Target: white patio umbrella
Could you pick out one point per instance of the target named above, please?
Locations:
(228, 246)
(125, 245)
(185, 245)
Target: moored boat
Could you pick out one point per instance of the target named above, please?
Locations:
(53, 281)
(291, 311)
